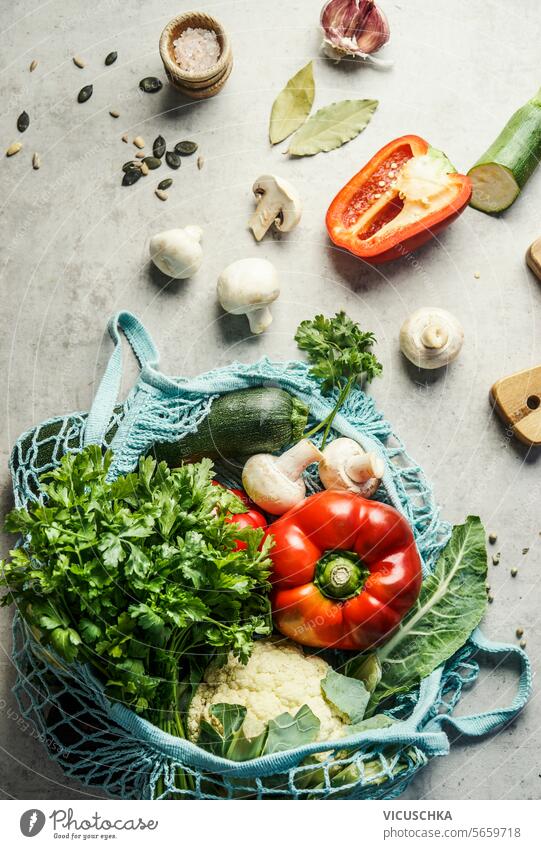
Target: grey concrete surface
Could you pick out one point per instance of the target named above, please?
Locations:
(74, 250)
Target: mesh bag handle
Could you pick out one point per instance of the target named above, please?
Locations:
(481, 724)
(106, 397)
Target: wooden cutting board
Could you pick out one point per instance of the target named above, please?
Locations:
(517, 399)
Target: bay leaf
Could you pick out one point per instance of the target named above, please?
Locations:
(292, 106)
(332, 127)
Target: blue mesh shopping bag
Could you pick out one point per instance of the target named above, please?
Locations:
(106, 745)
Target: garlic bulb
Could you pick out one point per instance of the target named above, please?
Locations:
(353, 28)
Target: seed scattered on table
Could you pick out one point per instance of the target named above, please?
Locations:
(14, 148)
(140, 154)
(523, 644)
(150, 84)
(514, 572)
(477, 275)
(23, 122)
(111, 57)
(496, 559)
(125, 138)
(172, 159)
(525, 550)
(158, 147)
(161, 194)
(114, 114)
(492, 538)
(200, 162)
(33, 65)
(36, 161)
(519, 632)
(144, 168)
(139, 141)
(152, 162)
(79, 62)
(85, 93)
(490, 599)
(185, 148)
(131, 176)
(165, 184)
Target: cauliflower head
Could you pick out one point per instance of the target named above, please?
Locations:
(278, 677)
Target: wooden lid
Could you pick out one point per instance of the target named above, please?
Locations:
(517, 400)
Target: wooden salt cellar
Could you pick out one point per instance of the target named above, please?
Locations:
(517, 399)
(204, 84)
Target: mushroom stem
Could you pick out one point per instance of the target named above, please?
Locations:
(361, 467)
(259, 320)
(292, 463)
(434, 336)
(263, 218)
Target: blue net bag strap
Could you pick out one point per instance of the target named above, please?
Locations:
(481, 724)
(106, 397)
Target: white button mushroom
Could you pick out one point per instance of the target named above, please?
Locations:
(275, 483)
(177, 253)
(248, 287)
(431, 338)
(278, 203)
(346, 466)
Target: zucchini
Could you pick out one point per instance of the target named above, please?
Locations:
(500, 174)
(241, 423)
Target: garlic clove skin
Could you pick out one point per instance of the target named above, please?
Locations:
(353, 28)
(177, 253)
(431, 338)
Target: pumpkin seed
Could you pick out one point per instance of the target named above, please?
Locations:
(158, 148)
(33, 65)
(79, 62)
(36, 161)
(161, 195)
(125, 138)
(23, 122)
(172, 159)
(129, 165)
(200, 162)
(139, 142)
(111, 57)
(131, 176)
(85, 93)
(185, 148)
(14, 148)
(165, 184)
(152, 162)
(150, 84)
(144, 168)
(114, 114)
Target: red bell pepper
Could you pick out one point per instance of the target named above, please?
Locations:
(345, 571)
(251, 519)
(403, 197)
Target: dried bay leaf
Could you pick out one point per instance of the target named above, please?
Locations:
(332, 127)
(292, 106)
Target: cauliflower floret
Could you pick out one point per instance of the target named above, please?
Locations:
(278, 677)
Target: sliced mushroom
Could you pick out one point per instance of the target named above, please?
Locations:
(278, 203)
(431, 338)
(345, 465)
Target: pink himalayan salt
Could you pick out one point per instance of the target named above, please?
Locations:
(197, 49)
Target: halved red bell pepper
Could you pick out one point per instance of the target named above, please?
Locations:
(404, 196)
(345, 571)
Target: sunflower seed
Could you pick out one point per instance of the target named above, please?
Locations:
(129, 165)
(525, 550)
(144, 168)
(492, 538)
(523, 644)
(139, 142)
(490, 599)
(125, 138)
(131, 176)
(111, 57)
(496, 559)
(519, 632)
(172, 159)
(33, 65)
(514, 572)
(36, 161)
(161, 195)
(200, 162)
(79, 62)
(85, 93)
(158, 148)
(13, 148)
(114, 114)
(152, 162)
(23, 122)
(165, 184)
(150, 84)
(185, 148)
(140, 154)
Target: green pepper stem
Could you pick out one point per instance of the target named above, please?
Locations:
(340, 575)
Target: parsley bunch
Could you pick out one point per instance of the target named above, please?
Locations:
(140, 577)
(340, 355)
